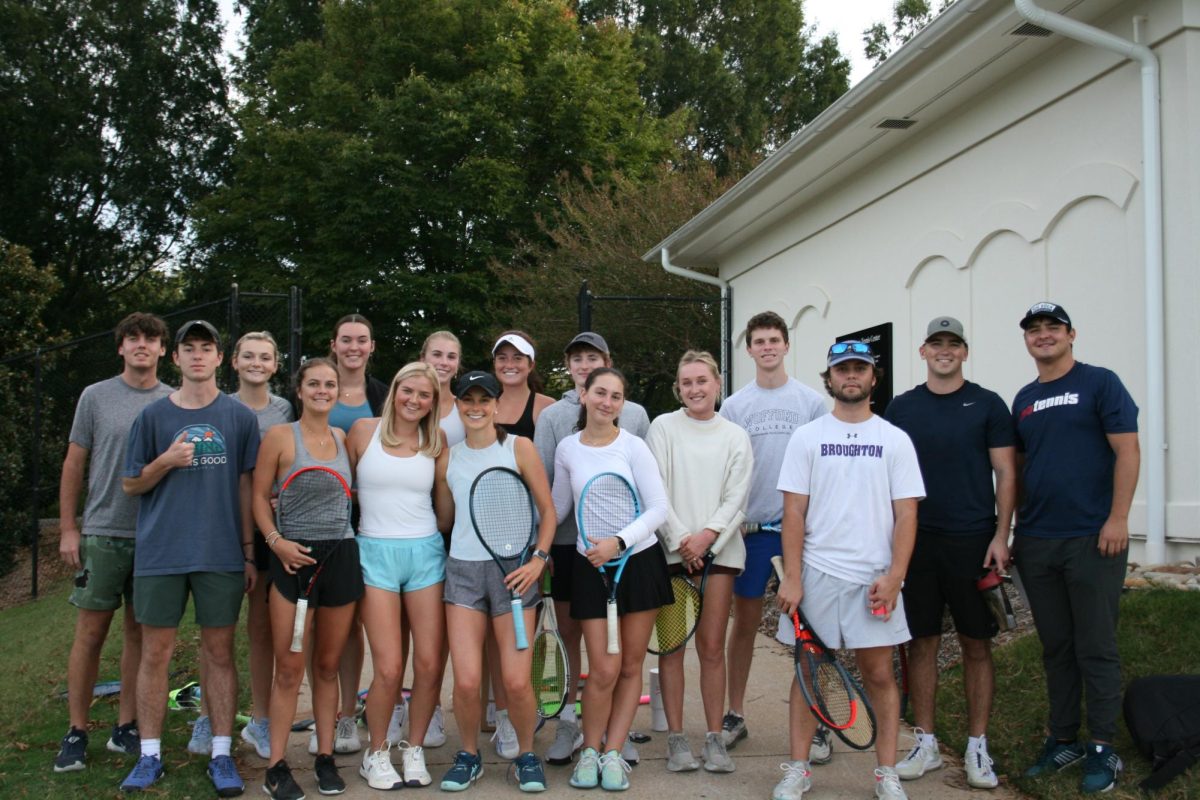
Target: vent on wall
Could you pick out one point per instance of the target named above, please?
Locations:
(896, 123)
(1029, 29)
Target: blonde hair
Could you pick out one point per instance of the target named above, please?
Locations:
(695, 357)
(256, 336)
(430, 430)
(440, 335)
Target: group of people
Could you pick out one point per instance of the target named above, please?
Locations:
(194, 513)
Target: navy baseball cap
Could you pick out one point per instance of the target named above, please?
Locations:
(477, 379)
(1046, 309)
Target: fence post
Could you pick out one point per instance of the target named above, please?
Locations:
(727, 337)
(585, 307)
(235, 325)
(295, 331)
(35, 472)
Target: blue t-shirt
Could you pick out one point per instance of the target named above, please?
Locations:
(191, 521)
(953, 433)
(1062, 428)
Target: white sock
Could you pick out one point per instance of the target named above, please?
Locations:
(152, 747)
(221, 745)
(568, 712)
(928, 740)
(501, 716)
(977, 743)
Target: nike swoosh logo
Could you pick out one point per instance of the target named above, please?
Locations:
(967, 404)
(474, 378)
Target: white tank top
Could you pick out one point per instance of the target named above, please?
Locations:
(452, 426)
(395, 494)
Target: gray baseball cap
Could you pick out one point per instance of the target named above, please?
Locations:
(588, 339)
(945, 325)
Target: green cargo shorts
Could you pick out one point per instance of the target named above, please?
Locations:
(159, 600)
(106, 575)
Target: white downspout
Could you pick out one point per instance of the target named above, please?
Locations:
(1156, 436)
(726, 350)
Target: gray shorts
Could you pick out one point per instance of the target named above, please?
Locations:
(839, 613)
(479, 585)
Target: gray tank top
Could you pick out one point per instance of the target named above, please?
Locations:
(307, 516)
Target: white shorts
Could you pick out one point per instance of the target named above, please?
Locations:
(840, 614)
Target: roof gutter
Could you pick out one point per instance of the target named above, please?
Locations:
(726, 313)
(1156, 438)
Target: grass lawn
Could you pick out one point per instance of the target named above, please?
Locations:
(1159, 634)
(33, 718)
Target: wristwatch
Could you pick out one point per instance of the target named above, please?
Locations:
(621, 545)
(542, 554)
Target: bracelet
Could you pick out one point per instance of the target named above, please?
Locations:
(248, 560)
(271, 538)
(247, 544)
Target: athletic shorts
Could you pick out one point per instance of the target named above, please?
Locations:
(160, 600)
(942, 572)
(644, 586)
(106, 575)
(340, 581)
(479, 585)
(262, 553)
(676, 568)
(839, 612)
(563, 558)
(760, 548)
(402, 565)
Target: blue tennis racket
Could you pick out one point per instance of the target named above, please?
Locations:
(502, 514)
(607, 505)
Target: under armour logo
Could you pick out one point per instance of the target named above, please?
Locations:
(851, 435)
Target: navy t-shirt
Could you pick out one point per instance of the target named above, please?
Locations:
(191, 521)
(1062, 429)
(953, 433)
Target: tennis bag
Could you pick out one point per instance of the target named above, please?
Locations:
(1162, 713)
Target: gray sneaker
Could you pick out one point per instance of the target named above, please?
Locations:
(567, 739)
(887, 785)
(505, 737)
(821, 751)
(733, 729)
(679, 754)
(716, 759)
(201, 741)
(629, 752)
(797, 779)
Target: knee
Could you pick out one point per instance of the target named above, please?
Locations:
(976, 651)
(604, 675)
(631, 670)
(710, 653)
(288, 674)
(515, 687)
(426, 667)
(325, 668)
(218, 657)
(466, 685)
(878, 677)
(388, 675)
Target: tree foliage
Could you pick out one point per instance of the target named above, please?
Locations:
(269, 29)
(908, 18)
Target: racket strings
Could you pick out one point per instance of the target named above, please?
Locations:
(608, 507)
(675, 623)
(314, 506)
(502, 514)
(550, 674)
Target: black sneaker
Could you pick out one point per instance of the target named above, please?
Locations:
(72, 752)
(280, 784)
(328, 780)
(125, 739)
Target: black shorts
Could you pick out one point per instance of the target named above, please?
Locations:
(340, 582)
(644, 586)
(942, 573)
(562, 556)
(262, 553)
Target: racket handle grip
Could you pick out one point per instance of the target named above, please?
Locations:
(614, 633)
(298, 625)
(777, 563)
(518, 612)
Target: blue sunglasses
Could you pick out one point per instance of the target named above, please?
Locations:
(860, 348)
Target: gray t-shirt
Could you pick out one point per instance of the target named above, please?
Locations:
(770, 416)
(103, 417)
(277, 411)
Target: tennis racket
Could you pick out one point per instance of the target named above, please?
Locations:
(762, 527)
(676, 623)
(551, 671)
(314, 509)
(607, 505)
(502, 515)
(834, 697)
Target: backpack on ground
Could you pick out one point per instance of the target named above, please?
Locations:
(1162, 713)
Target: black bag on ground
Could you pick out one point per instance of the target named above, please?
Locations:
(1162, 713)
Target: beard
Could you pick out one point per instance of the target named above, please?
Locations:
(863, 396)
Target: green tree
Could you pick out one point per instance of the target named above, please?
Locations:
(270, 28)
(908, 18)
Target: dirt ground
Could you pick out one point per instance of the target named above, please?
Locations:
(16, 586)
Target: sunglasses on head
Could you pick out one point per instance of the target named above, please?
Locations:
(850, 347)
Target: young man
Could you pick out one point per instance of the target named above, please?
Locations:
(189, 459)
(770, 408)
(850, 484)
(586, 352)
(102, 552)
(963, 436)
(1078, 453)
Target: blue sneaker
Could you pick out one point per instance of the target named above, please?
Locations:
(587, 769)
(1100, 769)
(614, 772)
(530, 775)
(201, 741)
(225, 777)
(125, 739)
(258, 733)
(466, 770)
(1056, 756)
(145, 772)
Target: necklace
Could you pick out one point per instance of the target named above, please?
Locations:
(324, 440)
(599, 442)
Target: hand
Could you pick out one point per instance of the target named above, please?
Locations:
(68, 548)
(602, 553)
(1114, 537)
(180, 453)
(790, 593)
(694, 546)
(883, 594)
(292, 555)
(997, 557)
(525, 576)
(251, 574)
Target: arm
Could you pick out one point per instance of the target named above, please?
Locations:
(530, 466)
(443, 498)
(672, 533)
(178, 455)
(791, 588)
(245, 496)
(68, 504)
(886, 588)
(562, 494)
(545, 442)
(726, 521)
(1114, 535)
(1004, 465)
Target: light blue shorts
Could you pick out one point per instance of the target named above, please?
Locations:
(402, 565)
(839, 613)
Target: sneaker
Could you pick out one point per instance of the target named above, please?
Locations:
(716, 759)
(733, 729)
(505, 737)
(201, 741)
(923, 758)
(821, 749)
(679, 754)
(797, 779)
(629, 752)
(346, 739)
(280, 785)
(413, 765)
(587, 769)
(72, 751)
(978, 765)
(145, 772)
(567, 739)
(328, 779)
(530, 775)
(1056, 756)
(258, 733)
(1101, 769)
(224, 775)
(125, 739)
(614, 772)
(378, 770)
(395, 731)
(435, 734)
(466, 770)
(887, 784)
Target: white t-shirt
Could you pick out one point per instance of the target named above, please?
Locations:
(851, 473)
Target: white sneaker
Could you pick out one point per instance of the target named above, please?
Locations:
(435, 734)
(716, 759)
(345, 739)
(797, 779)
(887, 784)
(505, 737)
(567, 739)
(679, 754)
(413, 761)
(978, 765)
(378, 770)
(921, 759)
(395, 730)
(821, 750)
(629, 752)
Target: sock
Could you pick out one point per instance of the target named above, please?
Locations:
(977, 743)
(568, 712)
(927, 740)
(501, 714)
(221, 745)
(152, 747)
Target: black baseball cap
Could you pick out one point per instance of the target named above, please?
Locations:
(1046, 309)
(197, 329)
(588, 339)
(477, 379)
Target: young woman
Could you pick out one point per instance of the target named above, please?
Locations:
(614, 684)
(478, 596)
(403, 562)
(513, 361)
(286, 449)
(705, 462)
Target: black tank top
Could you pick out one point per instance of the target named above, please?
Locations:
(524, 425)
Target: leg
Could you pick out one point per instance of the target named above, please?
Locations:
(262, 657)
(380, 614)
(131, 656)
(1094, 585)
(515, 668)
(710, 647)
(923, 679)
(466, 656)
(405, 643)
(221, 678)
(979, 680)
(426, 605)
(603, 671)
(572, 636)
(801, 724)
(91, 629)
(636, 628)
(671, 683)
(350, 669)
(289, 672)
(747, 615)
(332, 628)
(875, 666)
(158, 645)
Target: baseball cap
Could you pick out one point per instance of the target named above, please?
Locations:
(197, 329)
(850, 350)
(477, 379)
(945, 325)
(1046, 309)
(588, 339)
(522, 344)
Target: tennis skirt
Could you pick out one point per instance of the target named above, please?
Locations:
(644, 586)
(340, 582)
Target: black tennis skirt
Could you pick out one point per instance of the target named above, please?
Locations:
(340, 581)
(644, 585)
